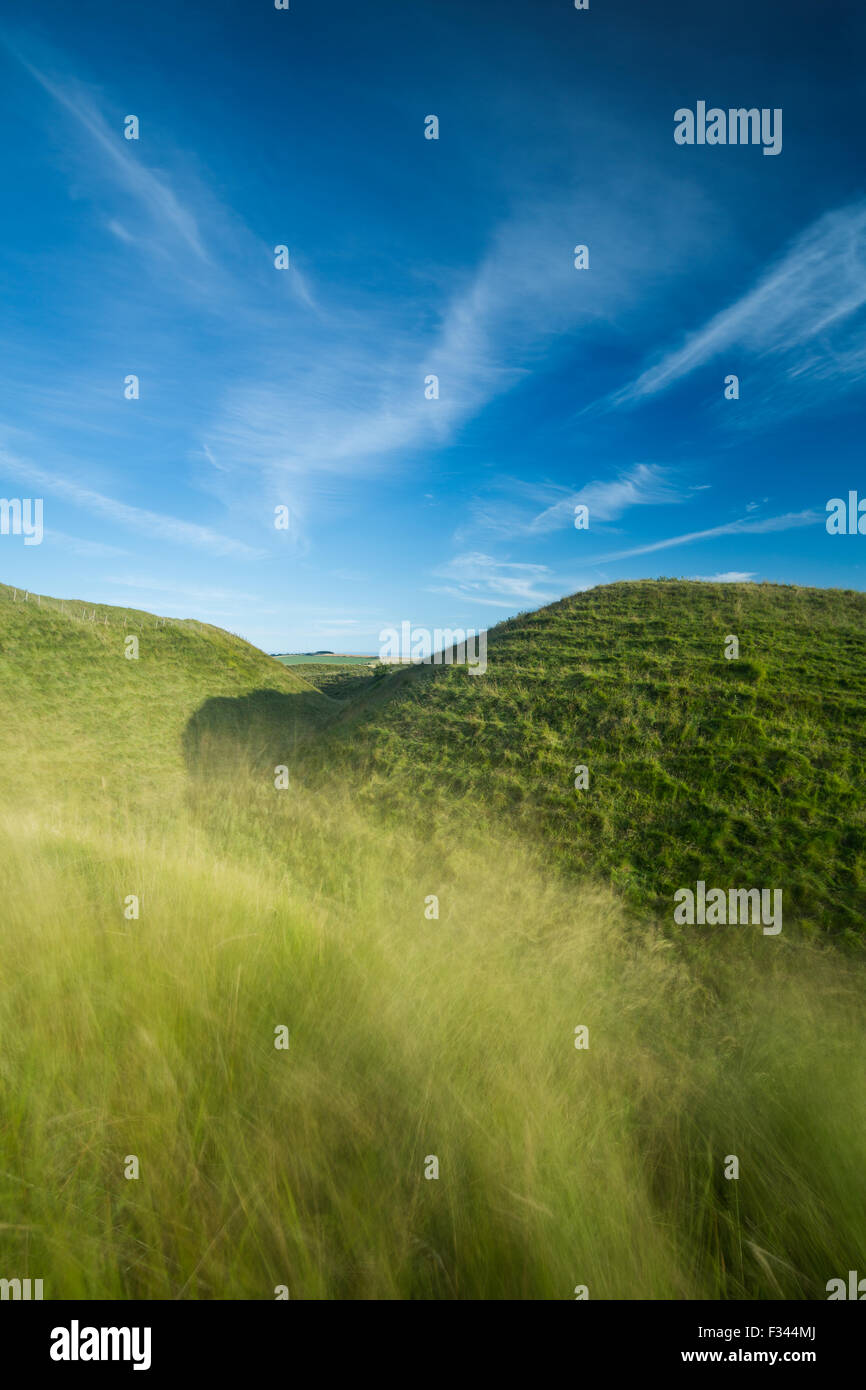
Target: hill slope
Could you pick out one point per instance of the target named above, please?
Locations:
(745, 772)
(76, 709)
(168, 912)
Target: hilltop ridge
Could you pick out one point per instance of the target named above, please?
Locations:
(696, 765)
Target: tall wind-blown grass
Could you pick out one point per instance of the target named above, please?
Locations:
(410, 1038)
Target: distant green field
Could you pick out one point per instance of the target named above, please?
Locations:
(326, 659)
(340, 677)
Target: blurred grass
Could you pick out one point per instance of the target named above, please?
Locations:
(408, 1037)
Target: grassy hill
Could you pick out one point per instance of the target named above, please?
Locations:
(75, 708)
(740, 772)
(167, 908)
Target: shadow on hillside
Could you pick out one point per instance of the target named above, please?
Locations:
(250, 732)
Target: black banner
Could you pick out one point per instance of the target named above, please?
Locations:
(82, 1339)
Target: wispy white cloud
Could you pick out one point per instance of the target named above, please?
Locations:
(77, 546)
(731, 528)
(359, 399)
(729, 577)
(194, 592)
(644, 485)
(352, 402)
(117, 229)
(214, 463)
(464, 594)
(218, 265)
(156, 525)
(154, 196)
(498, 583)
(343, 398)
(804, 311)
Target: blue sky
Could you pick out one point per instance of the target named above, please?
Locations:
(408, 257)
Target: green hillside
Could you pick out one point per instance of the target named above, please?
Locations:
(739, 772)
(76, 709)
(449, 983)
